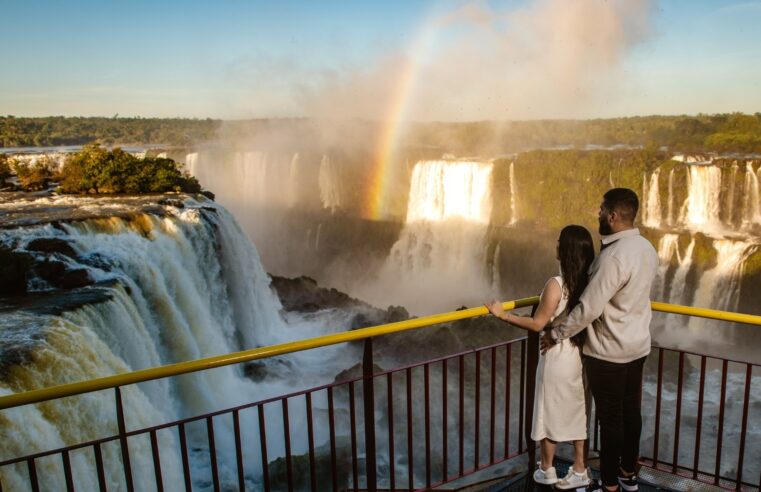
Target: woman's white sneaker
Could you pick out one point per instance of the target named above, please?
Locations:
(545, 477)
(573, 480)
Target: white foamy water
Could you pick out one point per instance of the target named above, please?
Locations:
(651, 194)
(703, 201)
(329, 180)
(439, 261)
(513, 191)
(187, 285)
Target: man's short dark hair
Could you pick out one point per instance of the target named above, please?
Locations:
(622, 200)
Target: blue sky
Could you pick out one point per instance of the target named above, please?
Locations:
(239, 59)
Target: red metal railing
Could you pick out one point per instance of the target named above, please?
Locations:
(423, 425)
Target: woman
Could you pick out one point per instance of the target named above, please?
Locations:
(559, 403)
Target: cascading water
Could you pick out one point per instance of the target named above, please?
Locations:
(438, 262)
(330, 185)
(178, 287)
(513, 191)
(719, 287)
(667, 248)
(671, 198)
(703, 201)
(651, 193)
(752, 202)
(679, 283)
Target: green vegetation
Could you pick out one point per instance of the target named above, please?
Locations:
(734, 132)
(5, 169)
(98, 170)
(558, 187)
(58, 130)
(34, 176)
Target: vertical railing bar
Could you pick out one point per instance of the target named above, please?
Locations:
(699, 422)
(123, 439)
(353, 433)
(67, 471)
(657, 431)
(493, 402)
(427, 390)
(461, 422)
(720, 437)
(156, 460)
(212, 452)
(263, 444)
(444, 422)
(508, 396)
(185, 459)
(678, 417)
(368, 400)
(477, 427)
(99, 468)
(239, 451)
(746, 404)
(32, 475)
(410, 457)
(391, 458)
(287, 439)
(522, 397)
(332, 425)
(310, 438)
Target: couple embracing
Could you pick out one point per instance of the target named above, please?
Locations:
(599, 338)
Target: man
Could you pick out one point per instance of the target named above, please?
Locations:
(616, 302)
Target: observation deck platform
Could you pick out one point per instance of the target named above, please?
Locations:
(457, 422)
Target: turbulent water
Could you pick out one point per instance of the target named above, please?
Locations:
(440, 254)
(178, 287)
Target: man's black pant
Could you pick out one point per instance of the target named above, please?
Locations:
(617, 391)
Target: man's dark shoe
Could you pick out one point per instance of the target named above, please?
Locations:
(628, 484)
(595, 486)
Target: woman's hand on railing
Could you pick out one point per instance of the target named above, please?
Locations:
(495, 308)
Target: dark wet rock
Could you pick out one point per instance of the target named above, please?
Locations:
(302, 294)
(208, 194)
(52, 245)
(354, 372)
(172, 202)
(300, 465)
(260, 370)
(58, 274)
(14, 268)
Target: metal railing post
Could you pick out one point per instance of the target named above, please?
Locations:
(368, 390)
(532, 361)
(123, 439)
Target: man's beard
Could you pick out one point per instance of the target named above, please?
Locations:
(604, 228)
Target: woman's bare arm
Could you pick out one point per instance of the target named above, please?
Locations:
(548, 302)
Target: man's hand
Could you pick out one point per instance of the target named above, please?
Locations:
(546, 342)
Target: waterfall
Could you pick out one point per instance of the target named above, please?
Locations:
(731, 208)
(330, 185)
(719, 288)
(191, 164)
(513, 206)
(438, 261)
(671, 197)
(703, 200)
(651, 192)
(181, 286)
(752, 199)
(668, 246)
(679, 283)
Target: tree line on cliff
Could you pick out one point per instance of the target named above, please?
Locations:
(735, 132)
(97, 170)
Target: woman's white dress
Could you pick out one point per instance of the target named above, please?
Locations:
(559, 398)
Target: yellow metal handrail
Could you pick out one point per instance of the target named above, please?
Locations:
(143, 375)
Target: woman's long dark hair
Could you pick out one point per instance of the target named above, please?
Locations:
(576, 252)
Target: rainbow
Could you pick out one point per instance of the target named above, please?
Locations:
(382, 170)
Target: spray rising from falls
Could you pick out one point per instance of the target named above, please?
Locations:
(438, 262)
(170, 288)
